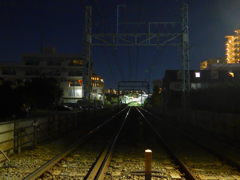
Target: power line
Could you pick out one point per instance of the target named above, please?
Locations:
(140, 9)
(162, 50)
(115, 55)
(105, 54)
(126, 28)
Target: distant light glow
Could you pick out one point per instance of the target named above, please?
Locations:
(197, 74)
(231, 74)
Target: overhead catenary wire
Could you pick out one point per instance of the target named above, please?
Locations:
(139, 20)
(156, 58)
(104, 51)
(126, 29)
(115, 55)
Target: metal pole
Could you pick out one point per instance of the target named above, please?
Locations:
(35, 125)
(87, 54)
(74, 93)
(148, 164)
(118, 19)
(185, 56)
(118, 97)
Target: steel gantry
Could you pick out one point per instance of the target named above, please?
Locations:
(137, 39)
(133, 84)
(185, 56)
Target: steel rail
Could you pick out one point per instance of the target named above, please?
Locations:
(100, 174)
(188, 173)
(38, 172)
(219, 154)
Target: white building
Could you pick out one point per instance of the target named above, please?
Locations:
(66, 68)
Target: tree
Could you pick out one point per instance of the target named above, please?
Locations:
(156, 96)
(157, 82)
(43, 92)
(7, 99)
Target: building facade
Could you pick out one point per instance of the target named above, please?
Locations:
(232, 52)
(232, 47)
(172, 83)
(212, 61)
(66, 68)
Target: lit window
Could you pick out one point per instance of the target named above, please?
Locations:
(197, 74)
(195, 85)
(78, 62)
(217, 61)
(160, 90)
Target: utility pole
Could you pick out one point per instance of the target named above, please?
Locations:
(87, 69)
(185, 58)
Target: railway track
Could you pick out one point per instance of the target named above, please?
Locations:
(122, 158)
(31, 159)
(205, 156)
(116, 149)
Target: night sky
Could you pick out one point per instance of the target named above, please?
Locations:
(62, 23)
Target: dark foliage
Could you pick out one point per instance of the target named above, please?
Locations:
(43, 92)
(40, 93)
(156, 96)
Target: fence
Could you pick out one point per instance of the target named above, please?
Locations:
(222, 124)
(14, 135)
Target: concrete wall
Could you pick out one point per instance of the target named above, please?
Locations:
(6, 136)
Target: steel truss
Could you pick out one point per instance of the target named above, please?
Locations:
(132, 39)
(133, 84)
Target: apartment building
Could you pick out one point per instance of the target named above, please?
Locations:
(66, 68)
(232, 47)
(232, 52)
(97, 84)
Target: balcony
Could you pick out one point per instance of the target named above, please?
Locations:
(74, 73)
(32, 73)
(20, 73)
(64, 64)
(64, 74)
(43, 63)
(32, 62)
(8, 72)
